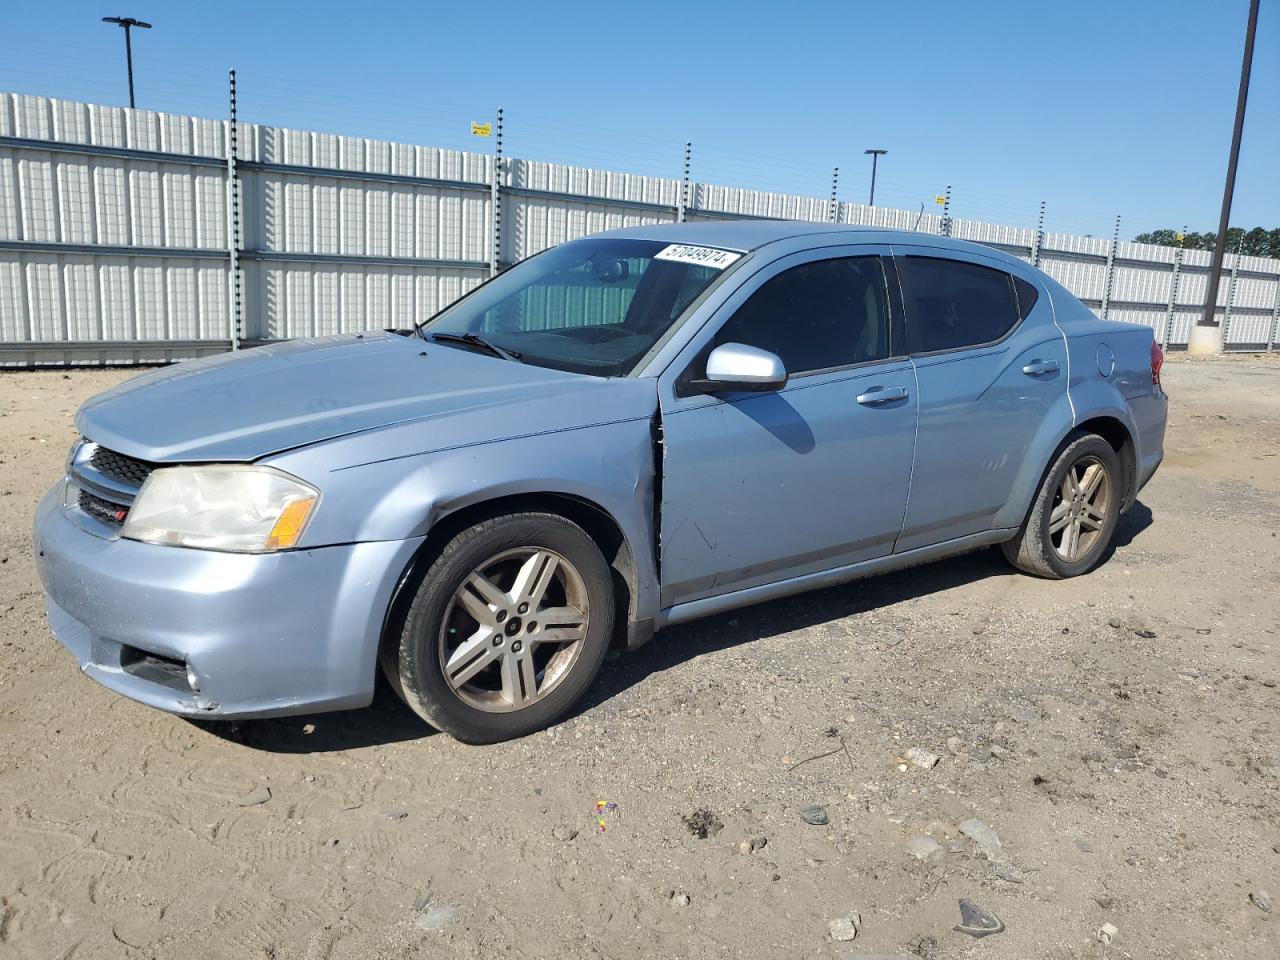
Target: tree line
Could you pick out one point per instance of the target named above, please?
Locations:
(1258, 242)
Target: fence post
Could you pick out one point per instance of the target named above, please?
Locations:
(683, 206)
(1231, 294)
(1173, 292)
(233, 221)
(834, 213)
(495, 202)
(1038, 242)
(1275, 318)
(1109, 285)
(946, 213)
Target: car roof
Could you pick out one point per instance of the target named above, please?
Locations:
(747, 235)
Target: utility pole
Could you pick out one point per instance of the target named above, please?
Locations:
(1206, 335)
(875, 155)
(128, 23)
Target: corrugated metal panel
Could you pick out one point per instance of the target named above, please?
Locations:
(341, 233)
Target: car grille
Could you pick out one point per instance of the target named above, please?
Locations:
(106, 483)
(118, 467)
(104, 510)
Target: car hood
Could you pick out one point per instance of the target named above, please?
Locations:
(247, 405)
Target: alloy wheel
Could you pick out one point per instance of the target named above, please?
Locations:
(1080, 508)
(514, 629)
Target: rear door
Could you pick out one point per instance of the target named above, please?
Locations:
(760, 487)
(990, 363)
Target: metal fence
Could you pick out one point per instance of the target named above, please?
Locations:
(128, 236)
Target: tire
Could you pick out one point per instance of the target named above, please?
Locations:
(1043, 546)
(512, 673)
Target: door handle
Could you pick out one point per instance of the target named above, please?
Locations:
(876, 396)
(1037, 367)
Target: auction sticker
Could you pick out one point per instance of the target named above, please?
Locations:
(702, 256)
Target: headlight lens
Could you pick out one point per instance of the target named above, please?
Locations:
(243, 509)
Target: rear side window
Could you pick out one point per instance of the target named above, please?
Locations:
(829, 313)
(1027, 296)
(952, 304)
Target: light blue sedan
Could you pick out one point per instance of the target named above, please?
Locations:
(622, 433)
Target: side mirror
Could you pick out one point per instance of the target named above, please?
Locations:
(735, 366)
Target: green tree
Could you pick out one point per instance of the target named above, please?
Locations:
(1258, 242)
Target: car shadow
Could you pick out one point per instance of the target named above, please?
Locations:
(748, 624)
(387, 720)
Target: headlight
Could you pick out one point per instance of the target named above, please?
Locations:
(243, 509)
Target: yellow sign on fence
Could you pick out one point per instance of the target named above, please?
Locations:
(940, 199)
(481, 129)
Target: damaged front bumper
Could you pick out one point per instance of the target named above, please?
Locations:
(218, 635)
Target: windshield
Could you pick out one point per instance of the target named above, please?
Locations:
(590, 306)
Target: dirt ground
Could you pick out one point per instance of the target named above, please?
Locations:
(1118, 732)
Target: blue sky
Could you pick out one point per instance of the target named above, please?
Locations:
(1098, 107)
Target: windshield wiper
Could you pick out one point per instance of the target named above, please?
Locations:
(475, 340)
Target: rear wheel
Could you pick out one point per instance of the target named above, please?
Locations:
(508, 628)
(1075, 512)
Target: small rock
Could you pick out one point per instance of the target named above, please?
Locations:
(395, 813)
(679, 899)
(955, 744)
(308, 729)
(259, 794)
(842, 930)
(922, 758)
(927, 850)
(1107, 932)
(1114, 623)
(564, 833)
(759, 842)
(1262, 900)
(977, 922)
(331, 842)
(1083, 846)
(987, 840)
(814, 815)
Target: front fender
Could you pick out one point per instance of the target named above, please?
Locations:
(609, 466)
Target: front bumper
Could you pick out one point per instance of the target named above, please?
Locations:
(208, 634)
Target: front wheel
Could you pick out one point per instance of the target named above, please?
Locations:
(1075, 512)
(508, 628)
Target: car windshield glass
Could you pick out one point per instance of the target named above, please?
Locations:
(591, 306)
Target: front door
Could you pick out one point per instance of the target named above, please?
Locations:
(758, 488)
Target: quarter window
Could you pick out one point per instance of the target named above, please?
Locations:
(952, 303)
(829, 313)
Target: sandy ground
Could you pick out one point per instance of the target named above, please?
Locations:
(1118, 732)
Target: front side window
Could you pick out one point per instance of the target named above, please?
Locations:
(591, 306)
(829, 313)
(952, 303)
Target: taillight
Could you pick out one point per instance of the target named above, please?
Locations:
(1157, 361)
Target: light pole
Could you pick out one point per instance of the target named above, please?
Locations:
(1206, 335)
(128, 23)
(875, 155)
